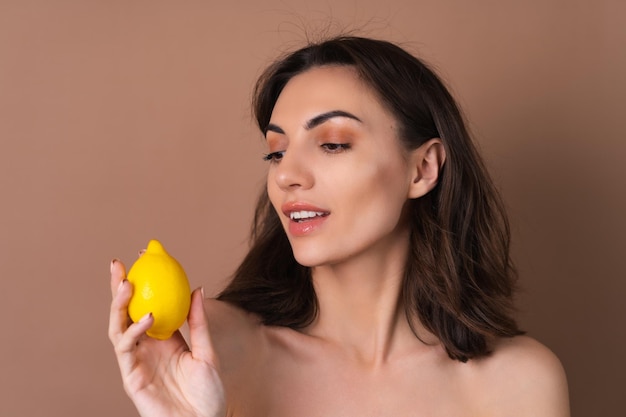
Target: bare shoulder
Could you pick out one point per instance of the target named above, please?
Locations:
(522, 378)
(225, 316)
(237, 335)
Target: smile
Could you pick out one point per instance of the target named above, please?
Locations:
(304, 215)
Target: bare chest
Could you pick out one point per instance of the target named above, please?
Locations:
(328, 387)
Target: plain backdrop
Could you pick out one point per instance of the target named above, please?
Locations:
(126, 120)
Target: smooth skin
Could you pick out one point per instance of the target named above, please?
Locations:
(333, 146)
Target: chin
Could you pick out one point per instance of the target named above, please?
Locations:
(308, 261)
(310, 258)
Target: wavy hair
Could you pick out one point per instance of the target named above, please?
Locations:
(459, 279)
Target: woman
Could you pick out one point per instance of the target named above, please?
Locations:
(378, 282)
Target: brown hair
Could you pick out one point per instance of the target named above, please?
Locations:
(459, 279)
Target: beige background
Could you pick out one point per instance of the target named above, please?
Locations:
(124, 120)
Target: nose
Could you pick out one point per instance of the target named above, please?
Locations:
(294, 170)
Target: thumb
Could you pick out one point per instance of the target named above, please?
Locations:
(199, 337)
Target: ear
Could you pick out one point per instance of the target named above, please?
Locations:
(426, 162)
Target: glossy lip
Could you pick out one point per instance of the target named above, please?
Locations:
(303, 228)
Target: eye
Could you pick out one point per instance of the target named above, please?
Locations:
(335, 147)
(274, 156)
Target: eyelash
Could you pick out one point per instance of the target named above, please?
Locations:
(274, 156)
(331, 148)
(336, 147)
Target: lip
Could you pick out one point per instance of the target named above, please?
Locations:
(304, 227)
(292, 206)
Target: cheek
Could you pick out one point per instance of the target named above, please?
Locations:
(386, 179)
(378, 191)
(274, 195)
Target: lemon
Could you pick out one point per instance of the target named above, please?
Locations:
(161, 288)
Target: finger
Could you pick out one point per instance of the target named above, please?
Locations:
(199, 336)
(118, 274)
(128, 342)
(118, 317)
(127, 345)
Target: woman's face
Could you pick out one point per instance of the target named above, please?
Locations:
(338, 175)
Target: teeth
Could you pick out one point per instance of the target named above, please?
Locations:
(300, 215)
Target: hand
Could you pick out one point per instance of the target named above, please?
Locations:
(165, 378)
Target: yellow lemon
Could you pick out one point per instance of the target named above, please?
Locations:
(161, 288)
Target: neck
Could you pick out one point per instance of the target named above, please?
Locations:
(360, 307)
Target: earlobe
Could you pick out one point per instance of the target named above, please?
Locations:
(427, 162)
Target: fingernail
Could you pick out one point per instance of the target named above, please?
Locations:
(113, 261)
(144, 318)
(202, 292)
(119, 287)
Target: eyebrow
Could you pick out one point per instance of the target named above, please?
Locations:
(316, 121)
